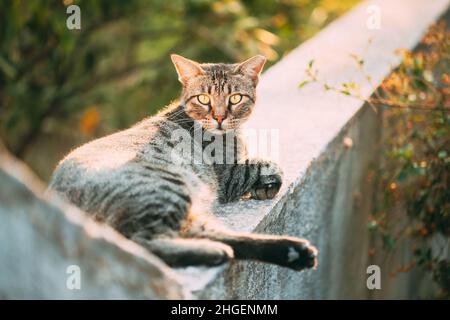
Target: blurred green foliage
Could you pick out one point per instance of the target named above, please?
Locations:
(60, 87)
(414, 174)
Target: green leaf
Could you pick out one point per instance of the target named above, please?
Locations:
(442, 154)
(303, 83)
(388, 242)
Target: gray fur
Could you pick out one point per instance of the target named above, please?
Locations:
(138, 182)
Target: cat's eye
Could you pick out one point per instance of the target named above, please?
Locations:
(203, 99)
(235, 98)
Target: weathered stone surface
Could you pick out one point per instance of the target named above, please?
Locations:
(40, 236)
(326, 197)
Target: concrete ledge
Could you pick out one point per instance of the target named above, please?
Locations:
(325, 197)
(42, 236)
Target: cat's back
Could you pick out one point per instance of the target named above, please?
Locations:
(87, 165)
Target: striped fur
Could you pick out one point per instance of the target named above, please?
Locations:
(138, 182)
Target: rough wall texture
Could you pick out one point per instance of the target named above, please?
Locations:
(326, 207)
(40, 237)
(326, 197)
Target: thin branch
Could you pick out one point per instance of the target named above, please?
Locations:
(379, 101)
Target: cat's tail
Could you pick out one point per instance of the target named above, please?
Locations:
(182, 252)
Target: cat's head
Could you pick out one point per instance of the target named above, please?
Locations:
(219, 96)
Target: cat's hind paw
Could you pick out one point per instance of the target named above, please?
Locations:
(301, 255)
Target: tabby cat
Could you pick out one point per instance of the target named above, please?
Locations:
(139, 182)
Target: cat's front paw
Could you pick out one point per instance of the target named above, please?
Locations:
(266, 188)
(268, 183)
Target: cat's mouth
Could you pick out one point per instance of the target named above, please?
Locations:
(218, 130)
(215, 127)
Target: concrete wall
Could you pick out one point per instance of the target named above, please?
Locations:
(40, 237)
(326, 196)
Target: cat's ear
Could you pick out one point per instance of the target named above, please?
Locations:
(186, 68)
(252, 67)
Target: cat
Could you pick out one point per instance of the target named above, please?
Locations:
(141, 184)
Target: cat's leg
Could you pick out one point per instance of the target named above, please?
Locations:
(291, 252)
(179, 252)
(260, 178)
(149, 205)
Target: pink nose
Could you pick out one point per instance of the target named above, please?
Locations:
(219, 119)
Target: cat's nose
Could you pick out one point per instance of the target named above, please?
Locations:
(220, 119)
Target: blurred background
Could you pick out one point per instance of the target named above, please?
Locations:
(60, 88)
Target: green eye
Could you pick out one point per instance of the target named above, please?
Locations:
(203, 99)
(235, 98)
